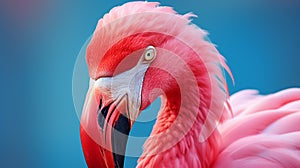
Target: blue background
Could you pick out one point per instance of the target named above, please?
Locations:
(40, 39)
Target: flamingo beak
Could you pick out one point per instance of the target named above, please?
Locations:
(115, 102)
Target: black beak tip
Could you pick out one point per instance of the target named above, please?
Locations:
(119, 134)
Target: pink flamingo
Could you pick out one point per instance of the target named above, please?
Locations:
(141, 51)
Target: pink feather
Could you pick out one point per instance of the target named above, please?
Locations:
(264, 132)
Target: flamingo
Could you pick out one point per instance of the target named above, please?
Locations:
(141, 51)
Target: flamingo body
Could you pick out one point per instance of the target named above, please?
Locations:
(264, 131)
(141, 51)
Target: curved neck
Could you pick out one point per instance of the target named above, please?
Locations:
(177, 131)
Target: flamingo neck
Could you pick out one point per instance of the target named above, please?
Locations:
(176, 134)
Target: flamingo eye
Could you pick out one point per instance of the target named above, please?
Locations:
(150, 53)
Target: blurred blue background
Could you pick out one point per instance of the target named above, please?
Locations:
(40, 40)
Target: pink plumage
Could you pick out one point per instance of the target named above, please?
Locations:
(264, 131)
(198, 124)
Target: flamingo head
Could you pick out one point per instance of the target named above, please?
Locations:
(138, 52)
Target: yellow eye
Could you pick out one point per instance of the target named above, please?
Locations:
(150, 53)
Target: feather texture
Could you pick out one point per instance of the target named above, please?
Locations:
(264, 132)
